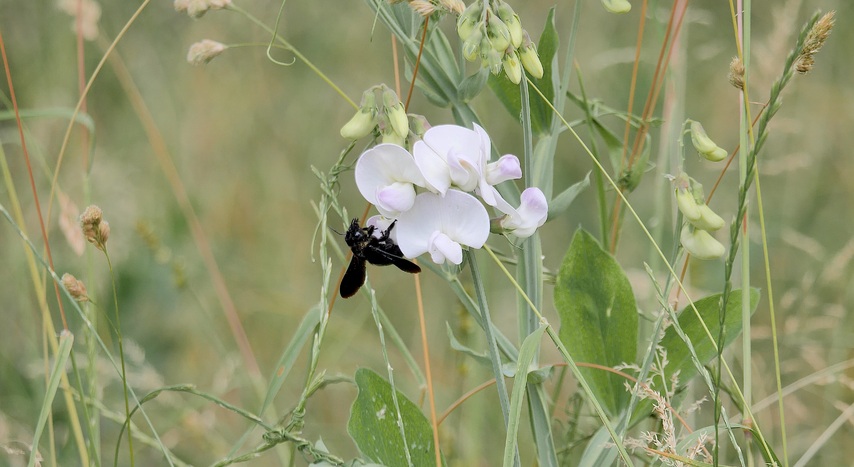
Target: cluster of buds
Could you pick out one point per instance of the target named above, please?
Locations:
(704, 145)
(390, 118)
(75, 287)
(494, 35)
(95, 229)
(695, 236)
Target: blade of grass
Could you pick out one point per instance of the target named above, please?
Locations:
(66, 339)
(527, 354)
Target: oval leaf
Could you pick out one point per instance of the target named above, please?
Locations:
(598, 316)
(373, 424)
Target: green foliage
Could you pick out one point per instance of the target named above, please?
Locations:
(709, 309)
(373, 424)
(509, 94)
(598, 315)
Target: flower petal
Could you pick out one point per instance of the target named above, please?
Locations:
(505, 168)
(397, 197)
(532, 213)
(435, 170)
(442, 248)
(457, 215)
(389, 171)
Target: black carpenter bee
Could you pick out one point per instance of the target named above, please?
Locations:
(380, 251)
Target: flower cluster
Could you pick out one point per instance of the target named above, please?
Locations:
(494, 35)
(701, 219)
(446, 165)
(390, 118)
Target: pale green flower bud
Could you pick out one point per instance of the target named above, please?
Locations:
(686, 200)
(363, 123)
(469, 21)
(471, 46)
(391, 136)
(490, 57)
(512, 67)
(498, 33)
(704, 145)
(514, 25)
(708, 220)
(530, 60)
(395, 112)
(700, 243)
(617, 6)
(418, 125)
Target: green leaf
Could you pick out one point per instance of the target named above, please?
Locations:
(598, 315)
(479, 357)
(526, 356)
(508, 93)
(373, 424)
(66, 339)
(472, 85)
(679, 355)
(561, 202)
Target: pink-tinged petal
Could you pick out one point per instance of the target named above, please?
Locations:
(395, 198)
(442, 248)
(532, 213)
(505, 168)
(385, 165)
(433, 167)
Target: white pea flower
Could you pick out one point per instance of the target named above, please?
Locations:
(386, 176)
(449, 155)
(532, 214)
(441, 225)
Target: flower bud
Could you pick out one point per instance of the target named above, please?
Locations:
(498, 33)
(685, 197)
(418, 125)
(700, 243)
(363, 123)
(530, 60)
(514, 25)
(708, 220)
(617, 6)
(490, 57)
(704, 145)
(469, 21)
(395, 112)
(512, 67)
(203, 52)
(471, 46)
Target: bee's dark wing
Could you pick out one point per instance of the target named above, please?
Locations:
(353, 278)
(383, 254)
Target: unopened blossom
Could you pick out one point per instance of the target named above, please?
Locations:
(442, 225)
(700, 243)
(386, 176)
(530, 215)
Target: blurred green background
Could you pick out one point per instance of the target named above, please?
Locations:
(244, 133)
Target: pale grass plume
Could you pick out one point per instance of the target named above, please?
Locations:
(815, 40)
(95, 229)
(736, 73)
(68, 215)
(90, 14)
(197, 8)
(75, 287)
(204, 51)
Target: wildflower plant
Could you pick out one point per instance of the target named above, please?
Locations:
(497, 232)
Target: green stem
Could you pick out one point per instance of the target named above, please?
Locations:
(494, 357)
(121, 351)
